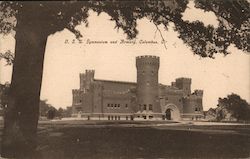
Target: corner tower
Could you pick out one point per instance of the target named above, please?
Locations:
(86, 78)
(147, 85)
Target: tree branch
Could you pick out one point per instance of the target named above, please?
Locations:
(161, 36)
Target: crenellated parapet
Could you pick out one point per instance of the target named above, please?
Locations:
(198, 93)
(90, 73)
(142, 61)
(147, 56)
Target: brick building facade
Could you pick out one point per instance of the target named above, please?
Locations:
(144, 100)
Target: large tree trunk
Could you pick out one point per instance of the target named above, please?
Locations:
(22, 112)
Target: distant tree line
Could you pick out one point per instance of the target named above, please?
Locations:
(50, 112)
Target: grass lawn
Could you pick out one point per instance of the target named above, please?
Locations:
(89, 139)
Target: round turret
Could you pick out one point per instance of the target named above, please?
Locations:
(147, 83)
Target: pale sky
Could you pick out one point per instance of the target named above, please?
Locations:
(63, 62)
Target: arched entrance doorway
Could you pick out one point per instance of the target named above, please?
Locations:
(168, 114)
(171, 112)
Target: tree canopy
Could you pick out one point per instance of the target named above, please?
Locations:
(233, 17)
(238, 107)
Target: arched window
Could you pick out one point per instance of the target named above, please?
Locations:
(196, 109)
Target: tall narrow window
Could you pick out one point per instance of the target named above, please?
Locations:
(126, 106)
(150, 107)
(144, 107)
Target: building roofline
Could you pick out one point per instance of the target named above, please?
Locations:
(125, 82)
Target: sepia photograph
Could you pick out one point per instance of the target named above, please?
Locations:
(117, 79)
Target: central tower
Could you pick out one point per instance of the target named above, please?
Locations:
(147, 85)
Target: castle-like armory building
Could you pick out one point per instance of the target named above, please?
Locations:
(145, 100)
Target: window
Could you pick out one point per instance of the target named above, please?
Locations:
(118, 105)
(112, 105)
(108, 117)
(126, 117)
(144, 107)
(115, 105)
(144, 117)
(126, 106)
(196, 109)
(108, 105)
(131, 117)
(150, 117)
(150, 107)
